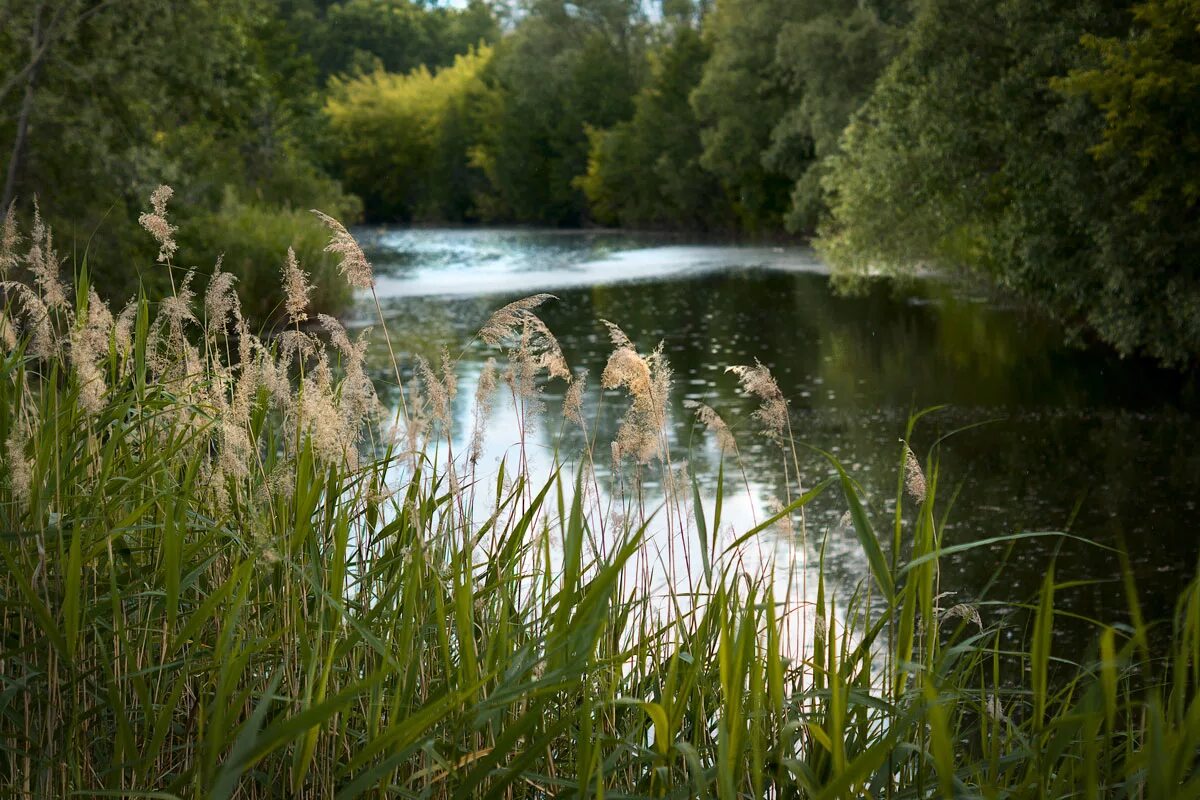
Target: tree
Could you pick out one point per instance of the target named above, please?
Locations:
(831, 60)
(782, 82)
(646, 172)
(566, 67)
(739, 101)
(972, 151)
(116, 97)
(403, 142)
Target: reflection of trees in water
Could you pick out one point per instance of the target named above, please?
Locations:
(853, 368)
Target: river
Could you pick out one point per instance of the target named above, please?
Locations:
(1056, 436)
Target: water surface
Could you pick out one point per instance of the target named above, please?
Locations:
(1051, 437)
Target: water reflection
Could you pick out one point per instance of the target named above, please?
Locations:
(1073, 438)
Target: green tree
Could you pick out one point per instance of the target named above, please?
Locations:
(646, 171)
(359, 36)
(100, 101)
(565, 68)
(740, 100)
(972, 152)
(831, 60)
(783, 80)
(403, 142)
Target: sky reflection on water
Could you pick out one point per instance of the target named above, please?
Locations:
(1052, 436)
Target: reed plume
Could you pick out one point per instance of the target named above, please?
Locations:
(296, 289)
(89, 345)
(530, 343)
(772, 413)
(647, 381)
(711, 420)
(44, 264)
(20, 469)
(156, 224)
(10, 240)
(573, 400)
(220, 301)
(354, 265)
(485, 391)
(914, 477)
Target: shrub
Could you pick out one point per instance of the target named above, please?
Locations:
(252, 238)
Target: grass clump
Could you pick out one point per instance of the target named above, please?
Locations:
(228, 573)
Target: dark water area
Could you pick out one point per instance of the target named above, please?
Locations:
(1050, 437)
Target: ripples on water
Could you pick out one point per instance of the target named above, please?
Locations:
(1055, 436)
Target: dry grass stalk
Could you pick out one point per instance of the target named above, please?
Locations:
(440, 391)
(296, 289)
(8, 332)
(354, 265)
(89, 346)
(220, 301)
(962, 611)
(573, 401)
(44, 263)
(914, 477)
(157, 225)
(10, 240)
(357, 400)
(711, 420)
(772, 412)
(531, 346)
(42, 341)
(123, 328)
(647, 381)
(485, 391)
(20, 469)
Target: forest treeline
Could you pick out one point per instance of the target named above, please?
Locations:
(1051, 146)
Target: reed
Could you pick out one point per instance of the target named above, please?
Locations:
(227, 573)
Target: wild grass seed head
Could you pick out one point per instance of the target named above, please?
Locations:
(573, 400)
(772, 413)
(712, 421)
(296, 289)
(485, 392)
(89, 346)
(43, 344)
(437, 394)
(914, 477)
(357, 399)
(220, 301)
(44, 263)
(354, 265)
(8, 332)
(156, 224)
(10, 240)
(20, 469)
(123, 328)
(647, 381)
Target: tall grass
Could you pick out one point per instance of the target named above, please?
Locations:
(228, 573)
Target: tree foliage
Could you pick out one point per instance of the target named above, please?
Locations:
(404, 141)
(646, 171)
(567, 67)
(1046, 145)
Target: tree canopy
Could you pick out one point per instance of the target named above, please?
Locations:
(1052, 147)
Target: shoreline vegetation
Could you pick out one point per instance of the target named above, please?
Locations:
(229, 572)
(1045, 148)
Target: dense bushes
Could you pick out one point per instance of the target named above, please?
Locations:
(1045, 148)
(249, 239)
(404, 143)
